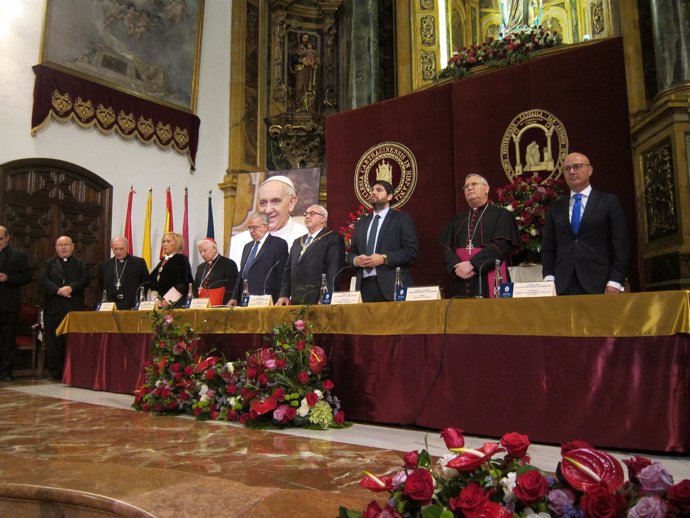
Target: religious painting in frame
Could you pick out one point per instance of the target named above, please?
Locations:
(147, 48)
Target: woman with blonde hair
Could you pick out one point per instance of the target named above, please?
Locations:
(170, 279)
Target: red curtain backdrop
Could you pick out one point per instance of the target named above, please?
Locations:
(456, 128)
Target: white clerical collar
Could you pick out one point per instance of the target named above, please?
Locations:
(284, 232)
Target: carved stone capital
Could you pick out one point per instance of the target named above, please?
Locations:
(300, 137)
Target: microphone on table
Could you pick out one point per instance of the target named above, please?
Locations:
(336, 276)
(268, 275)
(497, 278)
(481, 267)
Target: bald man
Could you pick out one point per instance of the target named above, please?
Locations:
(64, 279)
(14, 273)
(121, 275)
(216, 276)
(277, 199)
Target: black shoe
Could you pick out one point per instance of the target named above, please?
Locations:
(6, 377)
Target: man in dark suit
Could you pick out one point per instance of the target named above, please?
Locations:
(382, 241)
(64, 279)
(122, 275)
(14, 273)
(263, 260)
(216, 277)
(320, 251)
(585, 245)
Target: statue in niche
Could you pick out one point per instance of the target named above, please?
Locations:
(304, 64)
(519, 14)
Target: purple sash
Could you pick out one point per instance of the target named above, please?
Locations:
(464, 255)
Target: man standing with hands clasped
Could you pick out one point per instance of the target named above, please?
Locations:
(382, 241)
(585, 245)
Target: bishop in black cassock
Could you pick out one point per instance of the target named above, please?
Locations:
(122, 275)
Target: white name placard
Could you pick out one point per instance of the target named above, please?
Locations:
(107, 306)
(200, 303)
(260, 301)
(534, 289)
(346, 297)
(147, 305)
(423, 293)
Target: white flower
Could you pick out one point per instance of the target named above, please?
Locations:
(303, 409)
(510, 207)
(203, 392)
(319, 393)
(444, 472)
(529, 513)
(533, 232)
(507, 483)
(230, 367)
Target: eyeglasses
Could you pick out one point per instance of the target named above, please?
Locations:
(469, 186)
(254, 228)
(313, 213)
(574, 167)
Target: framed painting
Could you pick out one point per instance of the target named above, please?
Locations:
(147, 48)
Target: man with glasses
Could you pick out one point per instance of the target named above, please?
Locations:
(475, 239)
(382, 241)
(313, 254)
(263, 260)
(585, 245)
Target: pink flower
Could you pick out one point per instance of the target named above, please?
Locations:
(299, 325)
(560, 500)
(649, 507)
(654, 478)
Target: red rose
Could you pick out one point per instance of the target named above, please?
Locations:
(312, 398)
(531, 487)
(470, 499)
(317, 359)
(327, 385)
(209, 374)
(411, 459)
(300, 345)
(516, 444)
(302, 377)
(453, 438)
(262, 379)
(372, 510)
(251, 373)
(279, 394)
(419, 486)
(601, 503)
(678, 495)
(339, 417)
(231, 389)
(492, 510)
(245, 418)
(280, 363)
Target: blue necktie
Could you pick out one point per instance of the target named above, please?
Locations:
(577, 213)
(371, 240)
(250, 260)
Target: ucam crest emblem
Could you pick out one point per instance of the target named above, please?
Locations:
(389, 161)
(534, 142)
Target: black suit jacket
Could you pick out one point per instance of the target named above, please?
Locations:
(302, 274)
(223, 274)
(597, 254)
(133, 273)
(177, 273)
(270, 260)
(397, 239)
(57, 273)
(16, 267)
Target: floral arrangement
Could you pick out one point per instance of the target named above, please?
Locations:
(476, 483)
(284, 384)
(509, 50)
(348, 229)
(528, 198)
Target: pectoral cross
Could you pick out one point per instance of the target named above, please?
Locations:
(117, 285)
(469, 248)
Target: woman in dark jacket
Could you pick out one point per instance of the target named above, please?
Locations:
(171, 277)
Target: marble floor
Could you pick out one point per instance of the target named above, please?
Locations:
(60, 437)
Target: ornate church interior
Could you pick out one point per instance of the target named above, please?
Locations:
(196, 103)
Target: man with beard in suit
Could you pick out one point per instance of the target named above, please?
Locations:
(382, 241)
(318, 252)
(263, 260)
(14, 273)
(585, 246)
(122, 275)
(216, 277)
(64, 279)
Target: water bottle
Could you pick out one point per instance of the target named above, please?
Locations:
(190, 296)
(245, 293)
(104, 298)
(325, 297)
(140, 297)
(399, 294)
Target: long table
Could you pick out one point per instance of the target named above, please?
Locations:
(611, 370)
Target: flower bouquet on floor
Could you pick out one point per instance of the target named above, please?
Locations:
(478, 483)
(283, 384)
(171, 375)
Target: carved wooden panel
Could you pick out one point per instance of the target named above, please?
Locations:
(41, 200)
(659, 191)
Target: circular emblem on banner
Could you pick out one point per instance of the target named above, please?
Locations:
(535, 142)
(389, 161)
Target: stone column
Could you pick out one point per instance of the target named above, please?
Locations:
(671, 31)
(363, 76)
